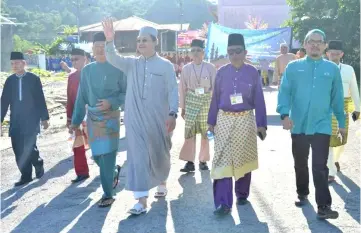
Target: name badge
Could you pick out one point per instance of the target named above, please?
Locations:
(236, 99)
(199, 91)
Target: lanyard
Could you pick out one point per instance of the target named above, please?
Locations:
(200, 75)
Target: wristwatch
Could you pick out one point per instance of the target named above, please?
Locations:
(283, 116)
(173, 114)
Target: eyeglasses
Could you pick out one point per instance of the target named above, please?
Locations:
(235, 51)
(315, 42)
(196, 50)
(143, 41)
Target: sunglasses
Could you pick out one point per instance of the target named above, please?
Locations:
(142, 41)
(196, 50)
(235, 51)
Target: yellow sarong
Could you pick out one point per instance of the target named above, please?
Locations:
(235, 151)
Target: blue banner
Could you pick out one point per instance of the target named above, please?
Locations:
(260, 44)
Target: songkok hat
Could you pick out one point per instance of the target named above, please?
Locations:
(335, 44)
(16, 56)
(88, 55)
(76, 51)
(236, 39)
(99, 37)
(144, 31)
(197, 43)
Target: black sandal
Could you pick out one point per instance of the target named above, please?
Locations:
(116, 178)
(105, 202)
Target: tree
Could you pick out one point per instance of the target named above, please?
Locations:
(21, 45)
(339, 19)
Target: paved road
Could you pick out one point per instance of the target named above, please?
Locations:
(52, 204)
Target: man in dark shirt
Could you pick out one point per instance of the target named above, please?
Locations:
(23, 92)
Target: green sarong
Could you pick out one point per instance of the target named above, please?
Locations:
(196, 114)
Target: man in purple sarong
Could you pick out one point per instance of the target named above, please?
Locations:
(237, 92)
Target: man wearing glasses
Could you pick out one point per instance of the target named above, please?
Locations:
(195, 93)
(237, 92)
(151, 108)
(311, 89)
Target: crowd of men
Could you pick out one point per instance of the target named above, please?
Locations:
(313, 102)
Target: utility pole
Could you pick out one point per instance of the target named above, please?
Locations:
(181, 14)
(77, 4)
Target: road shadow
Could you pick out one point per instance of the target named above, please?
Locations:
(12, 195)
(154, 220)
(352, 198)
(93, 219)
(60, 211)
(249, 219)
(270, 89)
(315, 225)
(274, 120)
(194, 207)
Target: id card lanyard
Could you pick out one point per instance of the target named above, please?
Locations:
(200, 75)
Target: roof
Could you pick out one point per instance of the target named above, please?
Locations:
(176, 27)
(133, 23)
(7, 21)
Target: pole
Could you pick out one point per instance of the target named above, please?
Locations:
(161, 42)
(78, 21)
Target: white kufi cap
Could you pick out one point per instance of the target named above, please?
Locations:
(144, 31)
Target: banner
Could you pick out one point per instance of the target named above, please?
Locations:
(184, 39)
(260, 44)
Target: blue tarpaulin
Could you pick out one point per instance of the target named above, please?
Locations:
(263, 44)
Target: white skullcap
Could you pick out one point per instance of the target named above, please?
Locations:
(144, 31)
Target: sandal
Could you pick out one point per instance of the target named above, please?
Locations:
(137, 209)
(161, 191)
(116, 178)
(105, 202)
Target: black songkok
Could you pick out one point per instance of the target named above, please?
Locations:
(99, 37)
(335, 45)
(16, 56)
(197, 43)
(76, 51)
(236, 39)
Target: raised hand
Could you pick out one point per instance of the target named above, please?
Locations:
(108, 29)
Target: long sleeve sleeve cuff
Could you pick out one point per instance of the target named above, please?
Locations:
(341, 122)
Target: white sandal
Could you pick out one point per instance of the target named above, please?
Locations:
(161, 191)
(137, 209)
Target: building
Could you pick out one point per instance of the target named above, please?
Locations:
(127, 30)
(236, 13)
(6, 42)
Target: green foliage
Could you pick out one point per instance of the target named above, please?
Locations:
(44, 19)
(40, 72)
(339, 19)
(21, 45)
